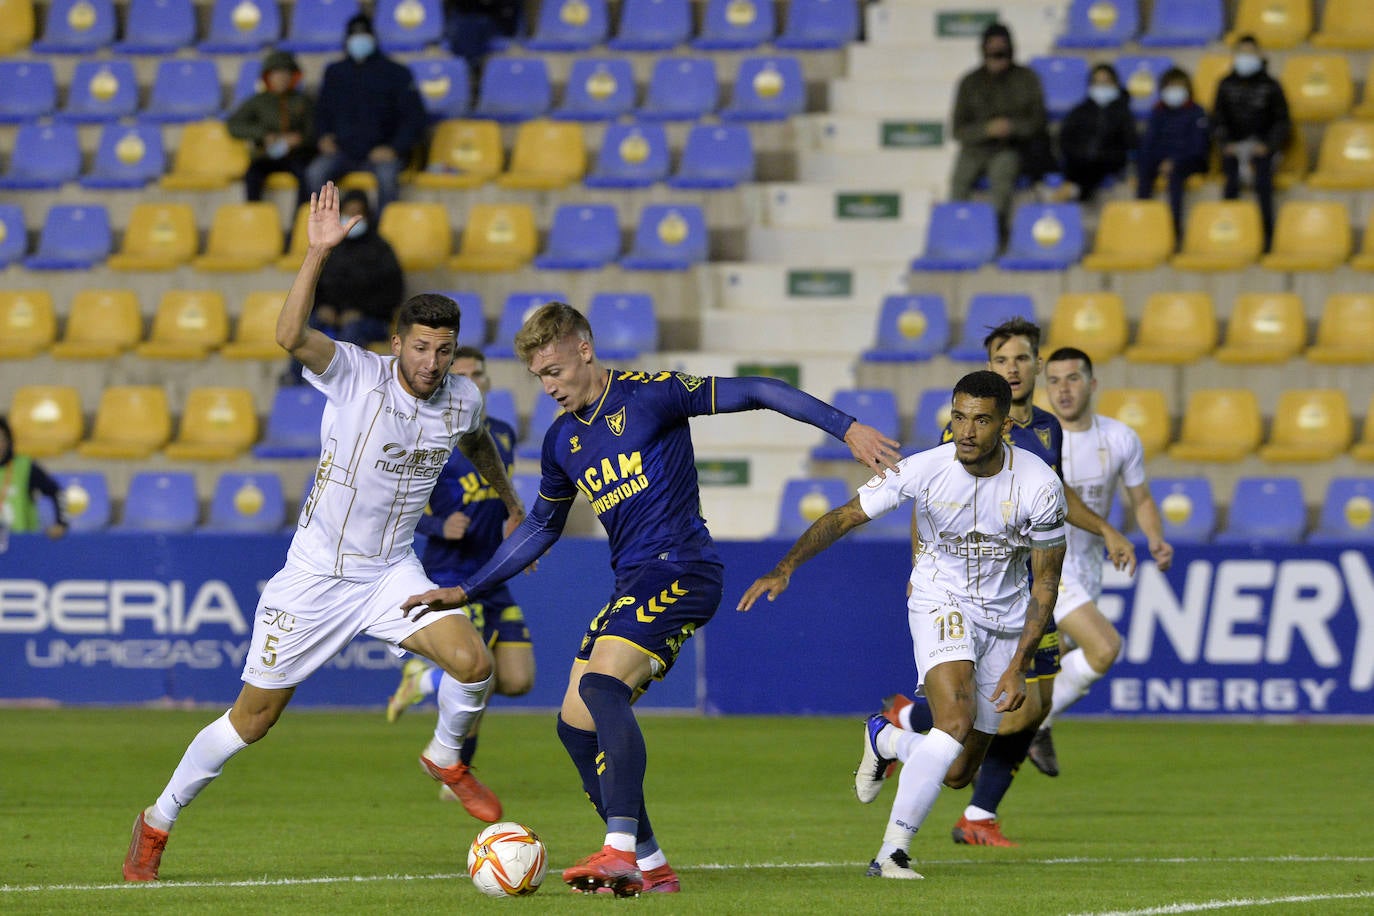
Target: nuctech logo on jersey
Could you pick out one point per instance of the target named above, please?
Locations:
(975, 544)
(619, 479)
(422, 462)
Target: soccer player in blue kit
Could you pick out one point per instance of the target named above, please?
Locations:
(625, 444)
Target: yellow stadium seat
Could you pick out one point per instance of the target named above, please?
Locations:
(1345, 160)
(16, 25)
(206, 159)
(243, 237)
(497, 237)
(419, 232)
(1345, 332)
(1264, 328)
(255, 335)
(1347, 25)
(1310, 424)
(102, 324)
(300, 241)
(1143, 410)
(218, 424)
(1175, 329)
(188, 325)
(1093, 322)
(1276, 24)
(1318, 87)
(463, 154)
(1310, 235)
(547, 155)
(1365, 109)
(1293, 164)
(28, 324)
(1211, 70)
(1219, 424)
(1364, 449)
(1221, 235)
(45, 419)
(1132, 235)
(159, 236)
(132, 421)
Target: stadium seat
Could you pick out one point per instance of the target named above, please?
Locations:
(526, 487)
(985, 312)
(1347, 25)
(293, 424)
(716, 156)
(929, 421)
(85, 500)
(1219, 424)
(206, 158)
(248, 83)
(1276, 24)
(514, 89)
(188, 324)
(1310, 424)
(1207, 76)
(1140, 75)
(419, 232)
(101, 324)
(159, 236)
(1364, 258)
(472, 323)
(74, 237)
(1187, 508)
(517, 307)
(1264, 328)
(735, 25)
(160, 502)
(531, 444)
(247, 503)
(1220, 235)
(806, 499)
(598, 89)
(129, 156)
(1064, 81)
(76, 27)
(668, 237)
(298, 241)
(1318, 87)
(497, 238)
(1175, 329)
(243, 237)
(158, 27)
(1143, 410)
(1131, 235)
(1184, 23)
(500, 405)
(911, 327)
(217, 424)
(318, 25)
(681, 89)
(819, 25)
(652, 25)
(184, 89)
(1345, 159)
(462, 154)
(408, 25)
(13, 236)
(767, 89)
(255, 332)
(962, 235)
(445, 86)
(131, 421)
(28, 90)
(1100, 24)
(1265, 510)
(1310, 235)
(624, 325)
(46, 419)
(631, 156)
(1347, 512)
(1293, 164)
(570, 25)
(46, 155)
(1345, 332)
(1044, 237)
(875, 406)
(242, 27)
(547, 156)
(1093, 322)
(582, 237)
(16, 26)
(28, 323)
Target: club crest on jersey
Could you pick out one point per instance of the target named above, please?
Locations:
(1044, 436)
(616, 421)
(573, 444)
(690, 382)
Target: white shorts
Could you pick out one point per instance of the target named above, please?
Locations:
(304, 619)
(947, 634)
(1073, 594)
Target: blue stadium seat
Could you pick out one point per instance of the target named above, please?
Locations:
(248, 83)
(1187, 507)
(518, 306)
(681, 89)
(1347, 513)
(819, 25)
(962, 235)
(631, 156)
(910, 327)
(101, 90)
(928, 422)
(736, 25)
(1184, 23)
(716, 156)
(14, 241)
(653, 25)
(445, 85)
(1265, 510)
(570, 25)
(1044, 237)
(1139, 75)
(514, 89)
(531, 444)
(582, 237)
(1100, 23)
(242, 27)
(805, 499)
(472, 323)
(86, 500)
(875, 406)
(246, 503)
(599, 89)
(767, 89)
(1064, 80)
(526, 487)
(28, 90)
(985, 312)
(158, 27)
(669, 237)
(128, 156)
(76, 27)
(293, 424)
(160, 502)
(184, 90)
(318, 25)
(500, 405)
(46, 155)
(408, 25)
(624, 325)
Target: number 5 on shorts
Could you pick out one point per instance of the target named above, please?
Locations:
(269, 650)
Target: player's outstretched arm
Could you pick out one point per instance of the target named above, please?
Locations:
(479, 448)
(1119, 549)
(311, 348)
(823, 532)
(1147, 517)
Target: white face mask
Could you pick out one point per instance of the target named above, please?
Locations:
(358, 229)
(1103, 94)
(1247, 64)
(1174, 96)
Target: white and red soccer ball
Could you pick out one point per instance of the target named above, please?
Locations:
(507, 860)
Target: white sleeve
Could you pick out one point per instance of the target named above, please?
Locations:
(880, 495)
(1133, 458)
(1048, 515)
(352, 371)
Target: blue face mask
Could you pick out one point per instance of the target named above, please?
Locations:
(358, 229)
(360, 46)
(1247, 64)
(1103, 94)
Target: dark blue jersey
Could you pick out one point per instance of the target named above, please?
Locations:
(1041, 435)
(461, 489)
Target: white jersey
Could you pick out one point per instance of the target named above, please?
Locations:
(1095, 461)
(381, 450)
(976, 533)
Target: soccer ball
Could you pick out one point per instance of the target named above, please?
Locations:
(507, 860)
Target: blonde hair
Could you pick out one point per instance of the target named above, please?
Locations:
(550, 323)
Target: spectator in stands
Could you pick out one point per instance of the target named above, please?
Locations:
(471, 25)
(1251, 125)
(362, 284)
(1176, 143)
(20, 479)
(1097, 136)
(1000, 123)
(369, 115)
(280, 123)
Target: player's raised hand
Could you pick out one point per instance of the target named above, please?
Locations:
(1010, 691)
(772, 584)
(323, 228)
(436, 599)
(1120, 551)
(872, 449)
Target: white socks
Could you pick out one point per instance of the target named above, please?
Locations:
(1072, 683)
(925, 760)
(204, 759)
(459, 707)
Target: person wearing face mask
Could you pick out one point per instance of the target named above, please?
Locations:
(1097, 135)
(369, 115)
(1176, 143)
(1250, 123)
(280, 123)
(361, 286)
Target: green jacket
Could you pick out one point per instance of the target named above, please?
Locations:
(1014, 93)
(262, 115)
(18, 511)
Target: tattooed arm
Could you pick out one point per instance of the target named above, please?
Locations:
(823, 532)
(477, 446)
(1046, 566)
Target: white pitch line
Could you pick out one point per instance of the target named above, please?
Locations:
(1233, 903)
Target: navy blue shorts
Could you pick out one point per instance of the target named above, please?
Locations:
(497, 617)
(1046, 662)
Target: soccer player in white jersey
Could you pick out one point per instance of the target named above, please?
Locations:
(388, 428)
(1099, 454)
(982, 507)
